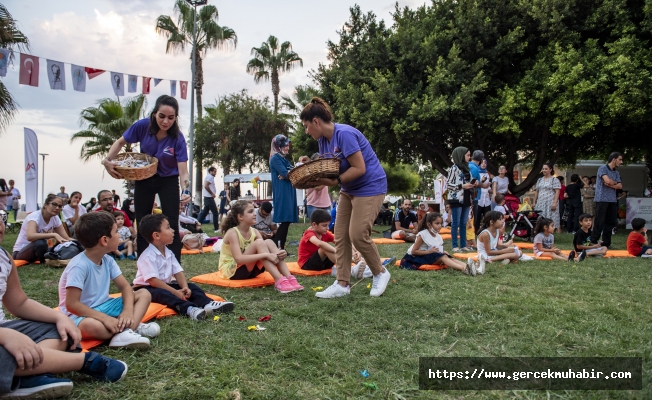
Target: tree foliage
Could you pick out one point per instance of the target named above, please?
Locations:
(302, 144)
(13, 39)
(401, 179)
(525, 81)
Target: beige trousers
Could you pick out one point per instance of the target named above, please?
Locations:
(355, 218)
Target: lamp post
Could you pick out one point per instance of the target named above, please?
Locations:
(43, 178)
(191, 133)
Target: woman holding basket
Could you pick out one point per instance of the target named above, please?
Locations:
(159, 136)
(364, 184)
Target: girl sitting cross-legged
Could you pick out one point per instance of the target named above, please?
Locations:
(544, 241)
(488, 248)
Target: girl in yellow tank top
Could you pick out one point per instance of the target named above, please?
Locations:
(245, 254)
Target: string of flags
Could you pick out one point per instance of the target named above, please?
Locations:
(29, 75)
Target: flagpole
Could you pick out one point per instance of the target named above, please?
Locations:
(43, 179)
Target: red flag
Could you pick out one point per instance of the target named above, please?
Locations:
(184, 89)
(146, 85)
(28, 70)
(93, 72)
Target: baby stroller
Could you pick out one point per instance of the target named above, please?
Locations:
(523, 222)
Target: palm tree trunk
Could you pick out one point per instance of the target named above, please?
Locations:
(276, 89)
(199, 83)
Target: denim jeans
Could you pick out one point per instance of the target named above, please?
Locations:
(209, 205)
(460, 216)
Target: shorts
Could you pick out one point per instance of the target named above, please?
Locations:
(644, 249)
(315, 263)
(38, 332)
(111, 307)
(241, 272)
(414, 262)
(122, 246)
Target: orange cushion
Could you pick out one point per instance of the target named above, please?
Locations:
(215, 278)
(296, 270)
(387, 241)
(20, 263)
(208, 249)
(445, 230)
(425, 267)
(446, 236)
(187, 252)
(524, 245)
(618, 254)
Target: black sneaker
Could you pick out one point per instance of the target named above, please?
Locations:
(104, 369)
(582, 256)
(43, 386)
(571, 255)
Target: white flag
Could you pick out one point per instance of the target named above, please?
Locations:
(133, 84)
(78, 78)
(56, 75)
(4, 60)
(157, 81)
(118, 83)
(31, 170)
(173, 88)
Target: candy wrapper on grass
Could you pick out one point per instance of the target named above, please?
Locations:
(265, 318)
(255, 328)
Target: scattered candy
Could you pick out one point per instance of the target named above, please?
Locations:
(365, 373)
(318, 288)
(241, 318)
(255, 328)
(371, 385)
(216, 318)
(265, 318)
(368, 285)
(131, 162)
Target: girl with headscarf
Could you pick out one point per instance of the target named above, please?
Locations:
(458, 189)
(284, 194)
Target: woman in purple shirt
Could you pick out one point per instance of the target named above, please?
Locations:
(364, 186)
(159, 136)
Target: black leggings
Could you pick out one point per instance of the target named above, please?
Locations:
(34, 251)
(167, 189)
(282, 234)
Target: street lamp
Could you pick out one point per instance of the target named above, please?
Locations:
(43, 177)
(191, 134)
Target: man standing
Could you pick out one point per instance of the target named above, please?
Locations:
(606, 203)
(63, 194)
(208, 191)
(476, 179)
(223, 198)
(105, 199)
(264, 222)
(403, 218)
(116, 198)
(13, 200)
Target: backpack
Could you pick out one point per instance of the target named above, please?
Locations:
(62, 253)
(194, 241)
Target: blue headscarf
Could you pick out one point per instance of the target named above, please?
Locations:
(482, 170)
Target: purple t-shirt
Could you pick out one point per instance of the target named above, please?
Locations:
(169, 151)
(346, 141)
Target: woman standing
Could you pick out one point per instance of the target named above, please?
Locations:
(500, 185)
(233, 193)
(4, 193)
(547, 194)
(363, 184)
(283, 193)
(459, 196)
(159, 136)
(72, 211)
(588, 193)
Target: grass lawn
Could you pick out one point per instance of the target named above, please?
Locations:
(314, 349)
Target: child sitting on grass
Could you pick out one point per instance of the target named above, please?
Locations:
(544, 241)
(428, 248)
(84, 288)
(582, 240)
(637, 244)
(315, 252)
(126, 245)
(246, 255)
(489, 250)
(39, 342)
(161, 275)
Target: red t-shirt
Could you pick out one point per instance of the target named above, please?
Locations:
(635, 243)
(128, 223)
(307, 249)
(561, 192)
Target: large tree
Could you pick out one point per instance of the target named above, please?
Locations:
(527, 82)
(302, 144)
(208, 35)
(270, 60)
(13, 39)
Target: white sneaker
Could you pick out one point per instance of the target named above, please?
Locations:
(130, 340)
(366, 272)
(525, 257)
(334, 290)
(506, 261)
(470, 264)
(196, 313)
(380, 283)
(481, 265)
(150, 330)
(218, 306)
(646, 256)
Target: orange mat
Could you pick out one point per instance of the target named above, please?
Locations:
(20, 263)
(296, 270)
(426, 267)
(186, 252)
(387, 241)
(445, 230)
(446, 236)
(216, 279)
(524, 245)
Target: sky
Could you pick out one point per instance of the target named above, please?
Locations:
(119, 35)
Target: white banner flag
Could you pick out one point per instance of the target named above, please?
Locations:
(56, 75)
(173, 88)
(31, 170)
(117, 81)
(133, 84)
(4, 60)
(78, 78)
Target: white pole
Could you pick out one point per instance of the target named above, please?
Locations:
(43, 180)
(191, 134)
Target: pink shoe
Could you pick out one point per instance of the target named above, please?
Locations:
(294, 282)
(284, 285)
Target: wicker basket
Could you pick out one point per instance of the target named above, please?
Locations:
(137, 174)
(302, 177)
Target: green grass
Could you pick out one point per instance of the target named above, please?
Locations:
(314, 349)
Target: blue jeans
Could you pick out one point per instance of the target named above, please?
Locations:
(313, 208)
(460, 216)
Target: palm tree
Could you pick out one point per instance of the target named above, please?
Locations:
(13, 39)
(270, 60)
(105, 124)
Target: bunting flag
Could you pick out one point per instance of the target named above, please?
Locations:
(184, 89)
(117, 81)
(173, 88)
(146, 82)
(92, 72)
(56, 75)
(4, 60)
(28, 70)
(157, 81)
(133, 84)
(78, 78)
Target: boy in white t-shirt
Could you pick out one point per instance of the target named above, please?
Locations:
(160, 274)
(84, 289)
(126, 244)
(39, 343)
